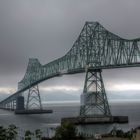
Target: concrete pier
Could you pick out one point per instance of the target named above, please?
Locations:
(33, 111)
(96, 120)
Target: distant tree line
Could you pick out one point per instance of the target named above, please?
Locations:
(66, 131)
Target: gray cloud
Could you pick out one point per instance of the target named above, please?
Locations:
(47, 29)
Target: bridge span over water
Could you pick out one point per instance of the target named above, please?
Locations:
(95, 49)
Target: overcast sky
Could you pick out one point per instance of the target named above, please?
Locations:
(47, 29)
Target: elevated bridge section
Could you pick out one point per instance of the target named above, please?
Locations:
(96, 48)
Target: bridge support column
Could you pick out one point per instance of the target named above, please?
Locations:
(94, 100)
(11, 105)
(14, 104)
(34, 99)
(8, 105)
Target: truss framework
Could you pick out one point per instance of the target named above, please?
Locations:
(95, 46)
(94, 100)
(34, 99)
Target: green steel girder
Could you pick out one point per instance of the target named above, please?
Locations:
(33, 99)
(95, 47)
(94, 100)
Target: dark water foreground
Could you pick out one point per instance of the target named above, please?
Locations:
(47, 122)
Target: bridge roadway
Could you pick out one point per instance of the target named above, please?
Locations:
(95, 48)
(75, 71)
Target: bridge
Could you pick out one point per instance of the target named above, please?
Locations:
(95, 49)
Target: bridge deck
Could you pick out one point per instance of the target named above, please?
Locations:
(95, 47)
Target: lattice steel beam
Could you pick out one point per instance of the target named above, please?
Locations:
(95, 46)
(94, 100)
(34, 99)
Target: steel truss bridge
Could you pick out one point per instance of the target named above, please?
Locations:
(95, 49)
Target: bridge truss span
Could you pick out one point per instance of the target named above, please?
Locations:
(95, 48)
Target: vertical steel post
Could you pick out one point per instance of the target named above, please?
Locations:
(11, 105)
(14, 104)
(94, 100)
(33, 99)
